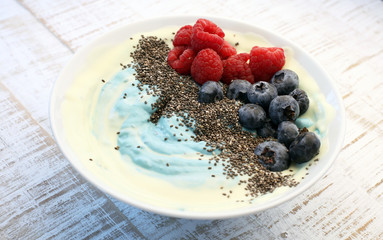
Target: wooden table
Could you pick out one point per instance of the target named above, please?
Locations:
(43, 197)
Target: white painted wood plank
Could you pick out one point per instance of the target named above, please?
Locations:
(40, 194)
(31, 59)
(345, 37)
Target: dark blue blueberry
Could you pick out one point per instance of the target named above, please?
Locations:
(283, 108)
(210, 92)
(262, 93)
(304, 147)
(273, 155)
(238, 90)
(302, 99)
(287, 132)
(268, 130)
(252, 116)
(285, 81)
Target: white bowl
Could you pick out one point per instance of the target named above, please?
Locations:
(79, 62)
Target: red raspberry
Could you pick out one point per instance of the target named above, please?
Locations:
(207, 66)
(265, 62)
(227, 50)
(183, 36)
(236, 67)
(180, 58)
(206, 35)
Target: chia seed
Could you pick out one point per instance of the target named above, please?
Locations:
(216, 124)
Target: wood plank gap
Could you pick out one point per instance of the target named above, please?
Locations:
(50, 140)
(311, 197)
(361, 60)
(22, 107)
(370, 128)
(375, 186)
(360, 230)
(43, 23)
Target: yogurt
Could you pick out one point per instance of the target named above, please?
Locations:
(99, 118)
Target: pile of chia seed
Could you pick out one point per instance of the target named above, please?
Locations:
(216, 123)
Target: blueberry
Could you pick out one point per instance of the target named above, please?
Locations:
(252, 116)
(210, 92)
(238, 90)
(262, 93)
(273, 155)
(268, 130)
(287, 132)
(304, 147)
(302, 99)
(283, 108)
(285, 81)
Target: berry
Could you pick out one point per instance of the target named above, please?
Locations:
(265, 62)
(262, 93)
(207, 66)
(273, 156)
(236, 67)
(180, 59)
(210, 92)
(304, 147)
(183, 36)
(268, 130)
(285, 81)
(252, 116)
(303, 100)
(227, 50)
(238, 90)
(287, 132)
(283, 108)
(206, 34)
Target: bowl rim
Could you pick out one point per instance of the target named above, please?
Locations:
(91, 178)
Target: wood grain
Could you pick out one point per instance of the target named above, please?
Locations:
(41, 196)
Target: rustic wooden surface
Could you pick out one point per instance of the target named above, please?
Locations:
(43, 197)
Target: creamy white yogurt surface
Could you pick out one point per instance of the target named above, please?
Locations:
(147, 168)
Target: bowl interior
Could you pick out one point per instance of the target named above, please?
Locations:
(79, 62)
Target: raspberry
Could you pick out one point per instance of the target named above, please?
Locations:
(236, 67)
(227, 50)
(265, 62)
(183, 36)
(180, 58)
(207, 66)
(206, 35)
